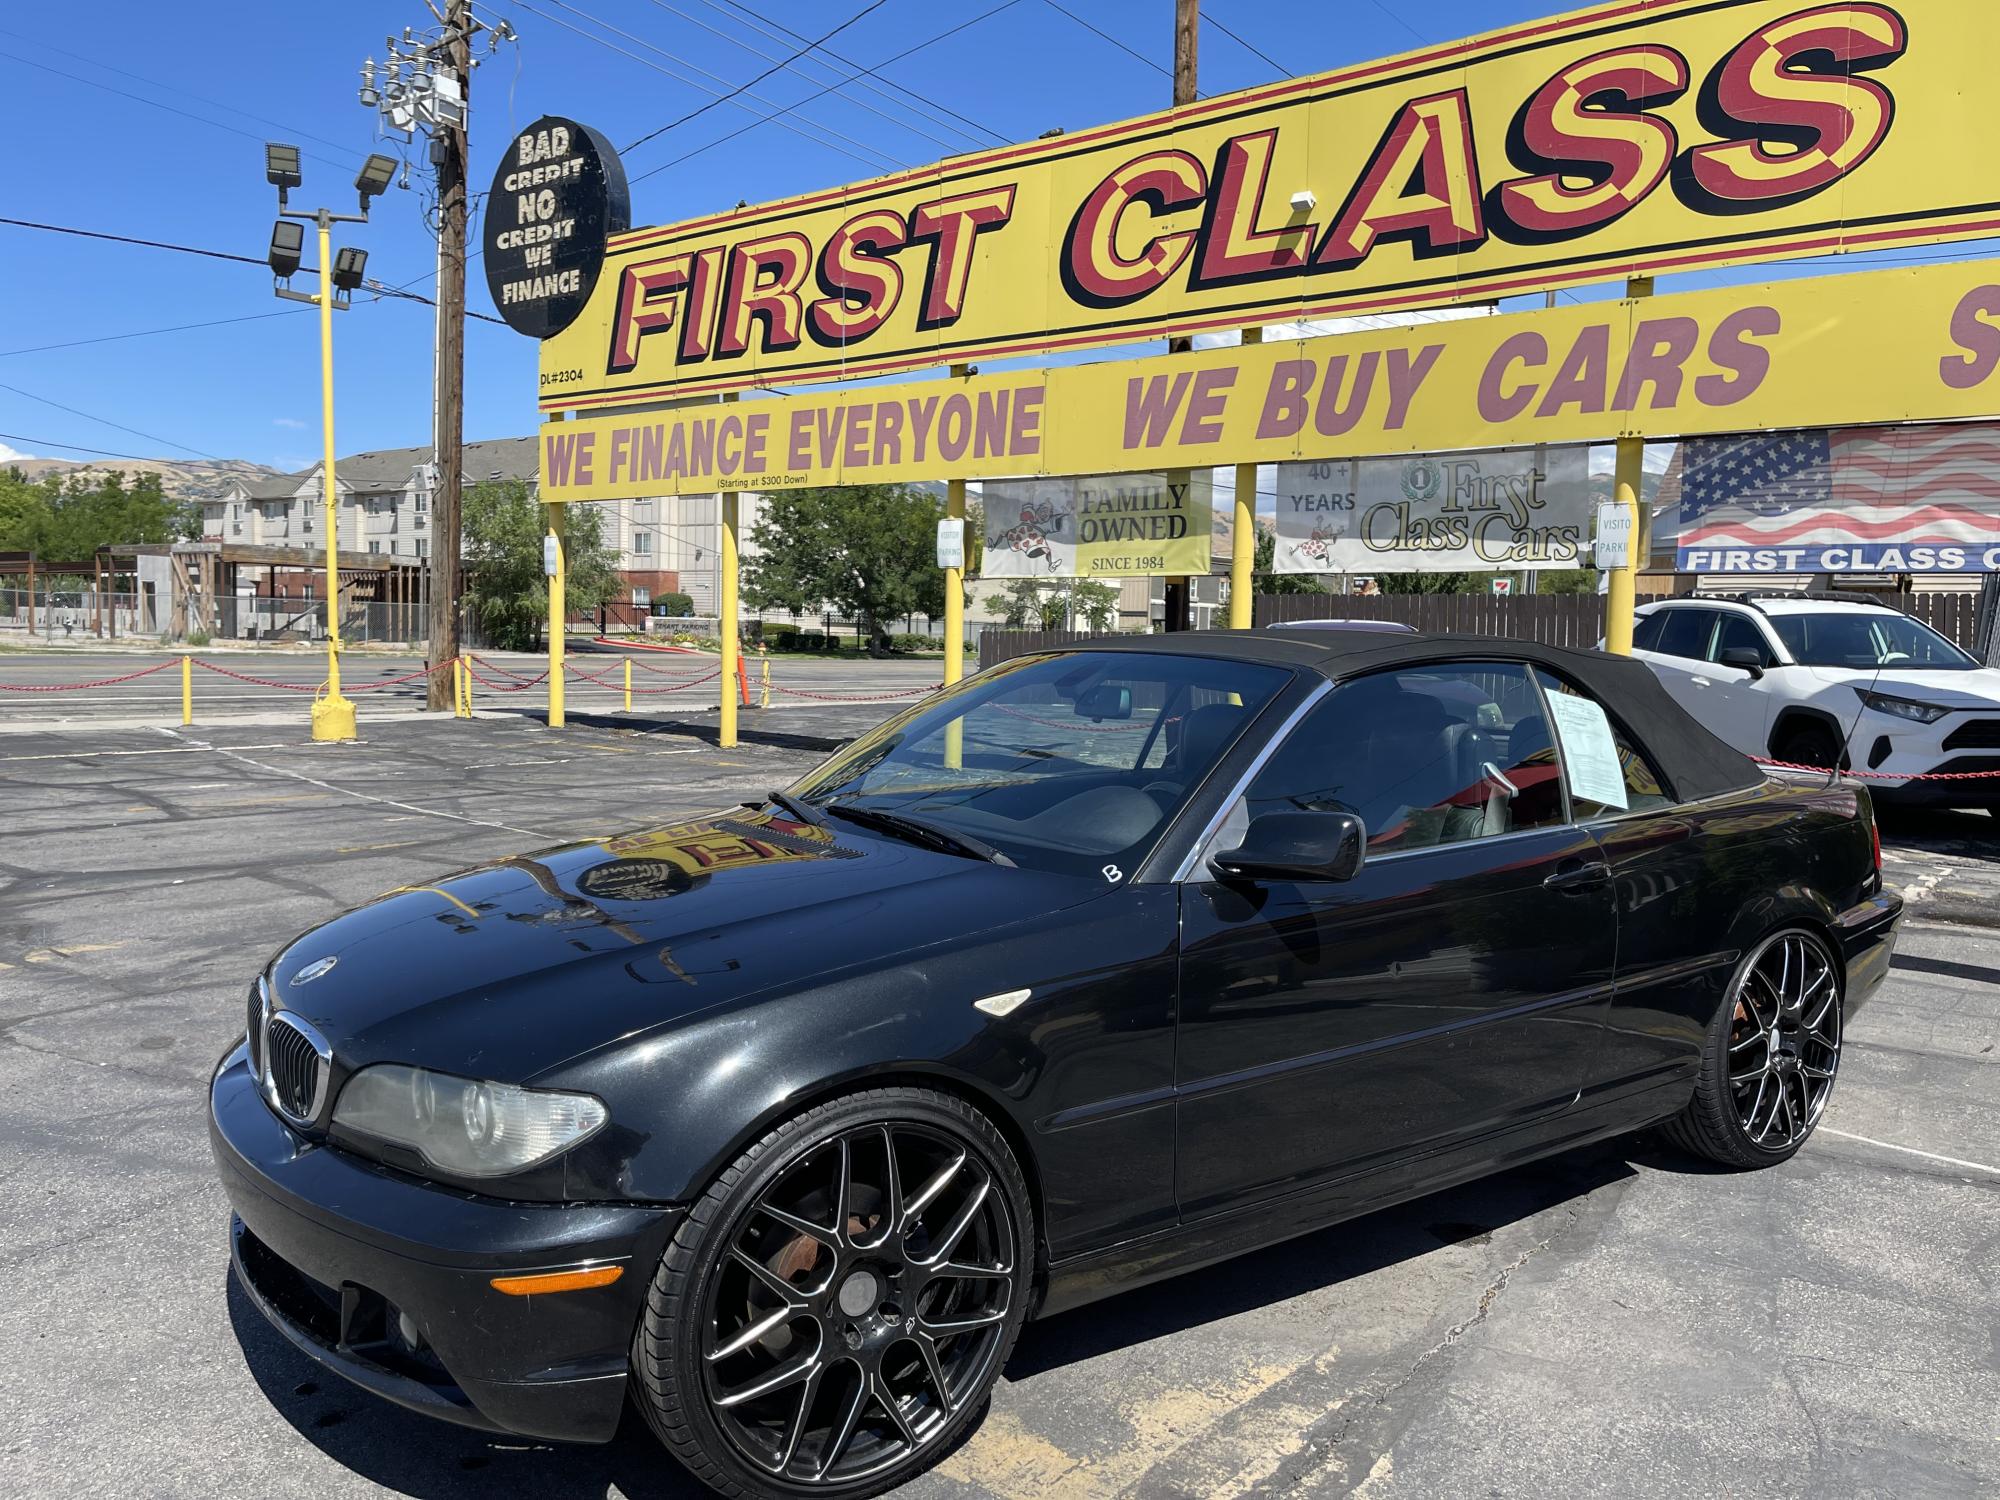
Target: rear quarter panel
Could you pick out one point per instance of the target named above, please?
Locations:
(1696, 888)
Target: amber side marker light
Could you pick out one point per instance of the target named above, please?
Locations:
(557, 1281)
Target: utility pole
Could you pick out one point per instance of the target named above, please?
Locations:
(1179, 612)
(425, 84)
(450, 147)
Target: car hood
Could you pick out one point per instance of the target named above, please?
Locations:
(510, 968)
(1978, 689)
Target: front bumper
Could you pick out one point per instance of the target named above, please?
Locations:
(346, 1258)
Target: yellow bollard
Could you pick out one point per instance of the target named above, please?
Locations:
(465, 685)
(628, 684)
(187, 690)
(765, 652)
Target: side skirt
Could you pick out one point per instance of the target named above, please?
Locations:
(1090, 1277)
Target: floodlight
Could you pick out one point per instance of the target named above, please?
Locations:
(281, 166)
(348, 264)
(288, 243)
(376, 175)
(1304, 201)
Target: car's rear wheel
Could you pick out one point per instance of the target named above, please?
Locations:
(1770, 1057)
(833, 1312)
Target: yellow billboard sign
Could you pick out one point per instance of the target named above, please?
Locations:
(1920, 344)
(1636, 137)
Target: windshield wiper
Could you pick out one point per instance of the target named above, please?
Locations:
(805, 812)
(918, 832)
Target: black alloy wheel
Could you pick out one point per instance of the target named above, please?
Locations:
(1811, 745)
(1772, 1054)
(836, 1308)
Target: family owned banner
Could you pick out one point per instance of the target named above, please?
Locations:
(1502, 509)
(1097, 526)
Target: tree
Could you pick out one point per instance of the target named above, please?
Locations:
(1269, 580)
(868, 550)
(66, 519)
(1027, 604)
(504, 526)
(1433, 583)
(1567, 581)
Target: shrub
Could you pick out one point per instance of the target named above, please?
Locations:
(673, 606)
(812, 640)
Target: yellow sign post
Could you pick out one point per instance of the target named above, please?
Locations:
(555, 566)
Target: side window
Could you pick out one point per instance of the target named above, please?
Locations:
(1739, 633)
(1424, 756)
(1687, 633)
(1646, 630)
(1606, 780)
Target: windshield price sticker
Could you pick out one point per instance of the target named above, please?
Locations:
(1590, 754)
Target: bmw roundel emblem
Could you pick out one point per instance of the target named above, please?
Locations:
(315, 969)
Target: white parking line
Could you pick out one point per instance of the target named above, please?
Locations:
(1949, 1161)
(342, 791)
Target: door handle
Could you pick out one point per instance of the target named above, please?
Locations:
(1579, 875)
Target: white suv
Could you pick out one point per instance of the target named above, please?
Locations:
(1823, 682)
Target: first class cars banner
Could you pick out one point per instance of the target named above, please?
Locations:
(1635, 137)
(1918, 344)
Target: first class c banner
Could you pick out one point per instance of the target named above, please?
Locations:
(1919, 344)
(1632, 138)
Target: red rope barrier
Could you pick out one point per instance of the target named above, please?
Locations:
(857, 697)
(1899, 776)
(77, 687)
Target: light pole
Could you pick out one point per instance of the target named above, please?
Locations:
(339, 276)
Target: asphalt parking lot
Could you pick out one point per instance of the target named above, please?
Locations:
(1618, 1321)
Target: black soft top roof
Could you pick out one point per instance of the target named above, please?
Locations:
(1696, 763)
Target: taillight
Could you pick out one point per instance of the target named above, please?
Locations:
(1875, 844)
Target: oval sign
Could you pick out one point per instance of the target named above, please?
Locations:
(559, 192)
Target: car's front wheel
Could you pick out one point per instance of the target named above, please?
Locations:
(1770, 1057)
(833, 1312)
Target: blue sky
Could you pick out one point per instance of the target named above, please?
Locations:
(151, 123)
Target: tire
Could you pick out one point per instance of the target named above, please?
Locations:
(1770, 1057)
(884, 1240)
(1810, 745)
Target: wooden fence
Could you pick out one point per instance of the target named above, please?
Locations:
(1553, 619)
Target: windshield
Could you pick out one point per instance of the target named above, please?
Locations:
(1870, 640)
(1068, 763)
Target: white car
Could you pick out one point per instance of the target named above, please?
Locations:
(1822, 682)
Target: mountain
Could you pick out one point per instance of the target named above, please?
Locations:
(182, 479)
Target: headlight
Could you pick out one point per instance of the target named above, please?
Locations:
(1903, 708)
(462, 1125)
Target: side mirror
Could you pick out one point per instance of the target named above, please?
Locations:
(1104, 701)
(1744, 659)
(1296, 846)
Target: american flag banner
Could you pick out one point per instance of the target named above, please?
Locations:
(1909, 499)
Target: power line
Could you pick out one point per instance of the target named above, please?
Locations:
(906, 52)
(307, 135)
(930, 109)
(15, 437)
(779, 65)
(825, 138)
(1107, 36)
(1392, 15)
(250, 135)
(1216, 21)
(106, 421)
(141, 333)
(376, 287)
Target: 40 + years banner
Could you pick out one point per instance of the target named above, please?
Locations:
(1098, 526)
(1440, 513)
(1637, 136)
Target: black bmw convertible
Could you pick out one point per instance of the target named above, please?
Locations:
(1108, 963)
